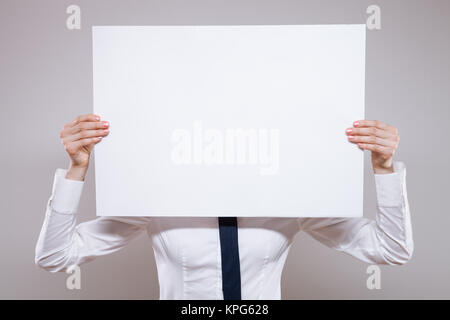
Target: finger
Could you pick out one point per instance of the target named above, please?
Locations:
(86, 134)
(371, 131)
(374, 123)
(372, 140)
(383, 150)
(74, 146)
(88, 126)
(82, 118)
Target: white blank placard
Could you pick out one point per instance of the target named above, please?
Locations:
(229, 120)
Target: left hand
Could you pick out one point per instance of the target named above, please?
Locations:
(378, 137)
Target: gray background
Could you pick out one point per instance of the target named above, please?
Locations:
(46, 80)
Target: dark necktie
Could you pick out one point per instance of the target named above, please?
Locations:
(231, 270)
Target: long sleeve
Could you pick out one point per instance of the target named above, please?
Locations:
(385, 240)
(63, 243)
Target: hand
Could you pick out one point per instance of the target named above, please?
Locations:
(378, 137)
(79, 138)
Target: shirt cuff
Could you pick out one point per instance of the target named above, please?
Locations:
(66, 193)
(390, 186)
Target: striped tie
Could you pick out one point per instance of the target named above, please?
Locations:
(231, 270)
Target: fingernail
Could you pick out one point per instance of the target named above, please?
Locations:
(356, 123)
(349, 130)
(105, 123)
(98, 138)
(97, 118)
(106, 131)
(350, 137)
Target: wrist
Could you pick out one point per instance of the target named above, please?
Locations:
(77, 173)
(383, 170)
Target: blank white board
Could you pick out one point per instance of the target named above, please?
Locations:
(229, 120)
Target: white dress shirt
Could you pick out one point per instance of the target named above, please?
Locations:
(187, 249)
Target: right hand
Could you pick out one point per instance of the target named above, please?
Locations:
(79, 138)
